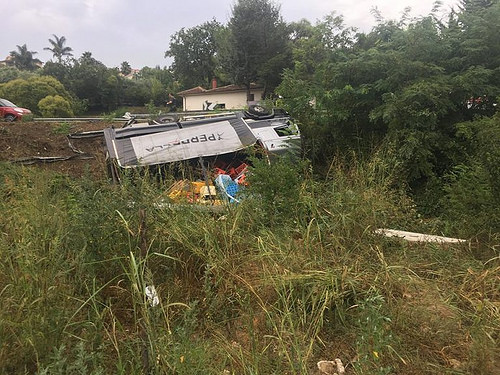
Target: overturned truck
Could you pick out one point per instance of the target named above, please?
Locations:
(215, 140)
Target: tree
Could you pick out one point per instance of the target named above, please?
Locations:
(164, 75)
(58, 49)
(8, 73)
(60, 71)
(24, 60)
(480, 29)
(403, 88)
(255, 47)
(89, 78)
(125, 68)
(194, 51)
(319, 91)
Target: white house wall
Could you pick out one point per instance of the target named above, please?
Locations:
(232, 100)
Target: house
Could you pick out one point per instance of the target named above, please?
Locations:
(8, 61)
(224, 97)
(132, 75)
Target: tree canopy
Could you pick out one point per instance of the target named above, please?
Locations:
(28, 92)
(404, 86)
(24, 59)
(255, 46)
(194, 51)
(58, 49)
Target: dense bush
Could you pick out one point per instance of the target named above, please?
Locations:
(472, 189)
(9, 73)
(405, 85)
(55, 106)
(29, 92)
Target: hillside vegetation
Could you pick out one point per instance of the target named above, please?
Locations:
(292, 275)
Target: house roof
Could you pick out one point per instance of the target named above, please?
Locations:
(193, 91)
(229, 88)
(132, 74)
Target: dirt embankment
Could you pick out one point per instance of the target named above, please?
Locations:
(30, 143)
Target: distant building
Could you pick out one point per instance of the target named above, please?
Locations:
(133, 74)
(8, 61)
(224, 97)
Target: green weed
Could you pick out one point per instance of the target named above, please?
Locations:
(292, 275)
(62, 128)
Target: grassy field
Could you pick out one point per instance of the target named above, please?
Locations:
(292, 275)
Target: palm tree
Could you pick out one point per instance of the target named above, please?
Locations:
(86, 56)
(58, 49)
(23, 59)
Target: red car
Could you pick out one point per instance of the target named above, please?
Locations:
(11, 112)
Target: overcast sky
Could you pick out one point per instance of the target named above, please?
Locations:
(138, 31)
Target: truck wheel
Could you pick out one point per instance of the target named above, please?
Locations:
(258, 112)
(167, 118)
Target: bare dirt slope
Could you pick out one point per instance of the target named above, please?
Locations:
(27, 142)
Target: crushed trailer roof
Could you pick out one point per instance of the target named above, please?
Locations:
(161, 143)
(166, 143)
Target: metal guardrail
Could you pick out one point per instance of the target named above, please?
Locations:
(199, 114)
(76, 119)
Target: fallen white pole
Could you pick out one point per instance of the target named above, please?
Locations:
(417, 237)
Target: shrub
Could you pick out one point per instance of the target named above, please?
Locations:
(28, 92)
(55, 106)
(472, 198)
(276, 188)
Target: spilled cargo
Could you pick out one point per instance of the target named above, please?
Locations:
(219, 145)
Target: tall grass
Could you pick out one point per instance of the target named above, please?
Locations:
(292, 275)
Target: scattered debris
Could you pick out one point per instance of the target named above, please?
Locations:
(87, 134)
(220, 145)
(418, 237)
(152, 295)
(51, 159)
(331, 367)
(185, 191)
